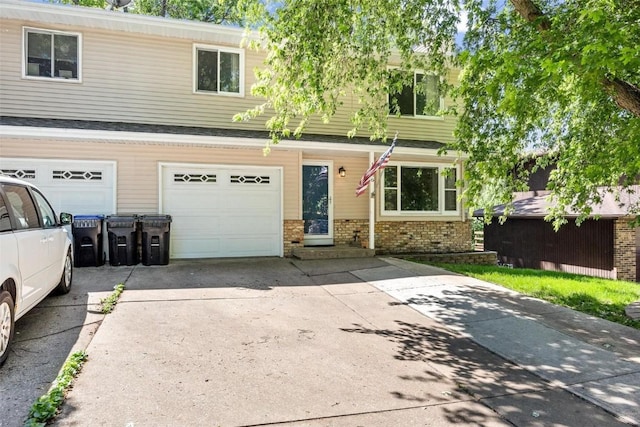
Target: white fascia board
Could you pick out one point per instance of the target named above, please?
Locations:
(181, 139)
(118, 21)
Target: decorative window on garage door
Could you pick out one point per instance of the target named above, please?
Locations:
(250, 179)
(194, 177)
(77, 175)
(19, 173)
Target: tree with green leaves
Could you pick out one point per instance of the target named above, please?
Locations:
(230, 12)
(213, 11)
(558, 78)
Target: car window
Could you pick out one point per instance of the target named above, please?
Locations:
(46, 211)
(22, 206)
(5, 222)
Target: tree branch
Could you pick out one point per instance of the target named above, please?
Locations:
(625, 94)
(531, 12)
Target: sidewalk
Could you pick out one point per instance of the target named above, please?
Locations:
(592, 358)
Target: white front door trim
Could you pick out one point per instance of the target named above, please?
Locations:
(319, 240)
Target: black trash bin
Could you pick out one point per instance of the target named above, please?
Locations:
(123, 239)
(87, 240)
(155, 239)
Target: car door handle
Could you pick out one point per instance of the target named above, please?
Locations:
(44, 240)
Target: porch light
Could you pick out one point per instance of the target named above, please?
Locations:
(342, 171)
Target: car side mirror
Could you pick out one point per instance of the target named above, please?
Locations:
(66, 218)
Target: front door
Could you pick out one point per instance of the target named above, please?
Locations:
(317, 207)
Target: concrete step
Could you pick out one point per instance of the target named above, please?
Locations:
(331, 252)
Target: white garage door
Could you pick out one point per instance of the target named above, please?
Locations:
(223, 211)
(75, 186)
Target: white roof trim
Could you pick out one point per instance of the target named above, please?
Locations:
(89, 17)
(166, 138)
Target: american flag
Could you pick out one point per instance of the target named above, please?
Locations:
(378, 164)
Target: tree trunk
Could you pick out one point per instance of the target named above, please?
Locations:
(163, 10)
(625, 94)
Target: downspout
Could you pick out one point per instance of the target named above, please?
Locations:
(372, 207)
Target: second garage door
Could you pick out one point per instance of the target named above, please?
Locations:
(223, 211)
(74, 186)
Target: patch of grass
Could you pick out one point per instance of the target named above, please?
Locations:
(48, 405)
(598, 297)
(109, 303)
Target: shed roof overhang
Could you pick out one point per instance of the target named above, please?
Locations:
(616, 203)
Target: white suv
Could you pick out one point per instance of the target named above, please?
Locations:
(35, 254)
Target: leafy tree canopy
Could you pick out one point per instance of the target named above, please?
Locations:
(560, 78)
(213, 11)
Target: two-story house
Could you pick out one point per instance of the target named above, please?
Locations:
(110, 112)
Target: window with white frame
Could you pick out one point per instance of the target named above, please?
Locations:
(409, 189)
(51, 54)
(414, 95)
(219, 70)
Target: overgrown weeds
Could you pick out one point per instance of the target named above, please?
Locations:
(109, 303)
(48, 405)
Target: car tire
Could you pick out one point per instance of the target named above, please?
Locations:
(7, 324)
(64, 286)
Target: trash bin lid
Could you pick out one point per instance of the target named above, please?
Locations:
(121, 221)
(80, 217)
(156, 218)
(86, 221)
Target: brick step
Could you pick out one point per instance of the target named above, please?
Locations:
(331, 252)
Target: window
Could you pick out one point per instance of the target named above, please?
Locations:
(419, 96)
(219, 70)
(51, 54)
(450, 190)
(24, 210)
(46, 212)
(419, 189)
(5, 221)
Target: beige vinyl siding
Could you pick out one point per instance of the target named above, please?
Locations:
(137, 78)
(137, 165)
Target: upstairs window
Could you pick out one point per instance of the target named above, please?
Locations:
(51, 54)
(219, 70)
(419, 96)
(419, 189)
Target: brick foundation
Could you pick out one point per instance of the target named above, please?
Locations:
(293, 235)
(346, 230)
(624, 249)
(392, 237)
(403, 237)
(479, 258)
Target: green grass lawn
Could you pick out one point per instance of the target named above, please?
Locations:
(598, 297)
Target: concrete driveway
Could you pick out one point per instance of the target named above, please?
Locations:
(281, 342)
